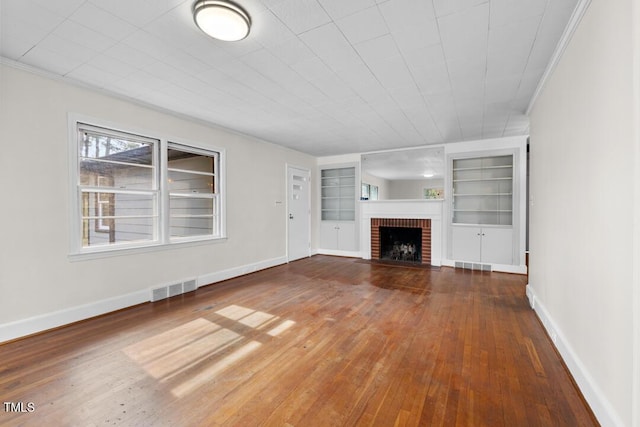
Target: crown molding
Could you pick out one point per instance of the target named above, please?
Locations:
(570, 29)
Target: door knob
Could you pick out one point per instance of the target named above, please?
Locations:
(290, 216)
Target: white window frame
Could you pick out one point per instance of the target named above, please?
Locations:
(214, 197)
(162, 239)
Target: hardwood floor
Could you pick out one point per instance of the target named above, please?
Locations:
(323, 341)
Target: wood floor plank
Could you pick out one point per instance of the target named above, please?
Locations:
(323, 341)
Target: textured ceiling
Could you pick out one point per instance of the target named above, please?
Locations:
(321, 76)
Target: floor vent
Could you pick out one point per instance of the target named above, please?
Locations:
(472, 266)
(173, 289)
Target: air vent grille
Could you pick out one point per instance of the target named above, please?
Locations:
(173, 290)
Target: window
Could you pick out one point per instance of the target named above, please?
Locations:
(369, 192)
(137, 191)
(193, 204)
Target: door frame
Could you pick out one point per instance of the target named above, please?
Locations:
(288, 167)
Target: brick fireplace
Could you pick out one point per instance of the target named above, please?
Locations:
(423, 224)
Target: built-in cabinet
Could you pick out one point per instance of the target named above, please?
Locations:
(482, 208)
(483, 190)
(338, 235)
(338, 192)
(490, 245)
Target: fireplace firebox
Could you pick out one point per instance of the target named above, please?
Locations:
(401, 244)
(401, 239)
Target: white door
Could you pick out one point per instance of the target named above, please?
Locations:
(298, 213)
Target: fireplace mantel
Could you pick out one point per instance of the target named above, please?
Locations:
(418, 209)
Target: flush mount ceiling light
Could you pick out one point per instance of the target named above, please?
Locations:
(221, 20)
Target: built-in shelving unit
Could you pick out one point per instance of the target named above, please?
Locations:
(483, 190)
(338, 193)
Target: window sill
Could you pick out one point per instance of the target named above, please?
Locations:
(153, 247)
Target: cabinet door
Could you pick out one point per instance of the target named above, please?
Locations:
(466, 243)
(328, 235)
(347, 236)
(497, 245)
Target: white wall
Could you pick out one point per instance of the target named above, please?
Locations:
(39, 283)
(583, 164)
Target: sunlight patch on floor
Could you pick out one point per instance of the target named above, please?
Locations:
(199, 346)
(207, 374)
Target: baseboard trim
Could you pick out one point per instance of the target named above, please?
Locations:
(600, 405)
(230, 273)
(350, 254)
(33, 325)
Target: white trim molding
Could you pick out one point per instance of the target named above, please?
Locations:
(33, 325)
(597, 400)
(572, 25)
(635, 392)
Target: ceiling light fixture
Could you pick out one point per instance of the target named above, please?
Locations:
(428, 175)
(221, 20)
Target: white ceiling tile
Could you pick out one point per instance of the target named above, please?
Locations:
(556, 17)
(417, 36)
(138, 13)
(506, 12)
(301, 15)
(501, 90)
(30, 14)
(48, 60)
(392, 72)
(400, 14)
(70, 53)
(449, 7)
(292, 51)
(23, 25)
(102, 21)
(14, 47)
(324, 76)
(92, 75)
(334, 88)
(112, 65)
(83, 36)
(325, 40)
(358, 76)
(465, 33)
(340, 8)
(268, 30)
(364, 25)
(129, 55)
(426, 57)
(433, 80)
(342, 60)
(377, 49)
(312, 68)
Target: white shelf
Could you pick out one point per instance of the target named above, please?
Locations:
(483, 190)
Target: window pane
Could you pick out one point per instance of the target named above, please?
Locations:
(115, 148)
(103, 174)
(189, 227)
(191, 183)
(192, 216)
(190, 161)
(109, 218)
(116, 160)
